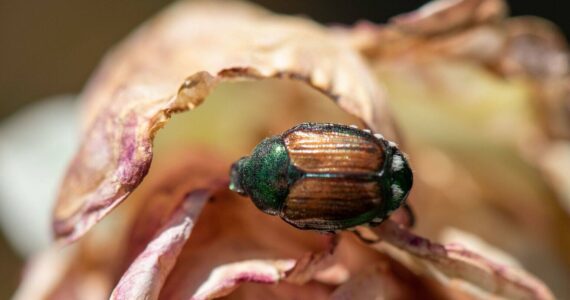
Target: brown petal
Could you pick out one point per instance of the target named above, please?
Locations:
(176, 174)
(231, 229)
(453, 262)
(170, 65)
(148, 272)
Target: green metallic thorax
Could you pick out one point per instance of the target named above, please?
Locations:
(266, 175)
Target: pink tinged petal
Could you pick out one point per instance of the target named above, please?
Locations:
(226, 278)
(147, 274)
(167, 187)
(450, 263)
(232, 229)
(171, 65)
(311, 264)
(443, 16)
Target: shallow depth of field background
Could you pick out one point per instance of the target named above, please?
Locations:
(51, 47)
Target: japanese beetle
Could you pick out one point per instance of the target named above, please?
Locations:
(325, 177)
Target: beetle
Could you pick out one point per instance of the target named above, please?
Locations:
(325, 177)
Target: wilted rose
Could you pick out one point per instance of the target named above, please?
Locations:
(182, 235)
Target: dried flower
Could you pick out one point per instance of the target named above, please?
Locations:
(182, 234)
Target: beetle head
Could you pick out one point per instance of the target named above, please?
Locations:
(235, 177)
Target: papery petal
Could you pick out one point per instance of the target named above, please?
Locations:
(224, 279)
(147, 273)
(177, 174)
(445, 15)
(232, 229)
(171, 65)
(536, 47)
(453, 262)
(475, 244)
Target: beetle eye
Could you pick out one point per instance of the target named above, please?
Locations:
(235, 178)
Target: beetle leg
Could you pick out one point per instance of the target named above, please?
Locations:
(365, 239)
(411, 216)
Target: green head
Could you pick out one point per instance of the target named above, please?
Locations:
(399, 179)
(263, 176)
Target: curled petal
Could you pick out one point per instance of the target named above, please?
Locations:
(308, 266)
(452, 262)
(171, 65)
(224, 279)
(168, 187)
(147, 274)
(536, 47)
(232, 229)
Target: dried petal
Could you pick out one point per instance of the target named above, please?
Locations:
(168, 187)
(232, 229)
(453, 262)
(307, 267)
(148, 272)
(224, 279)
(171, 65)
(437, 16)
(482, 44)
(536, 47)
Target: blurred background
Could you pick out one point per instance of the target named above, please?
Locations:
(50, 48)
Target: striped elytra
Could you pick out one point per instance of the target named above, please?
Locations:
(324, 177)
